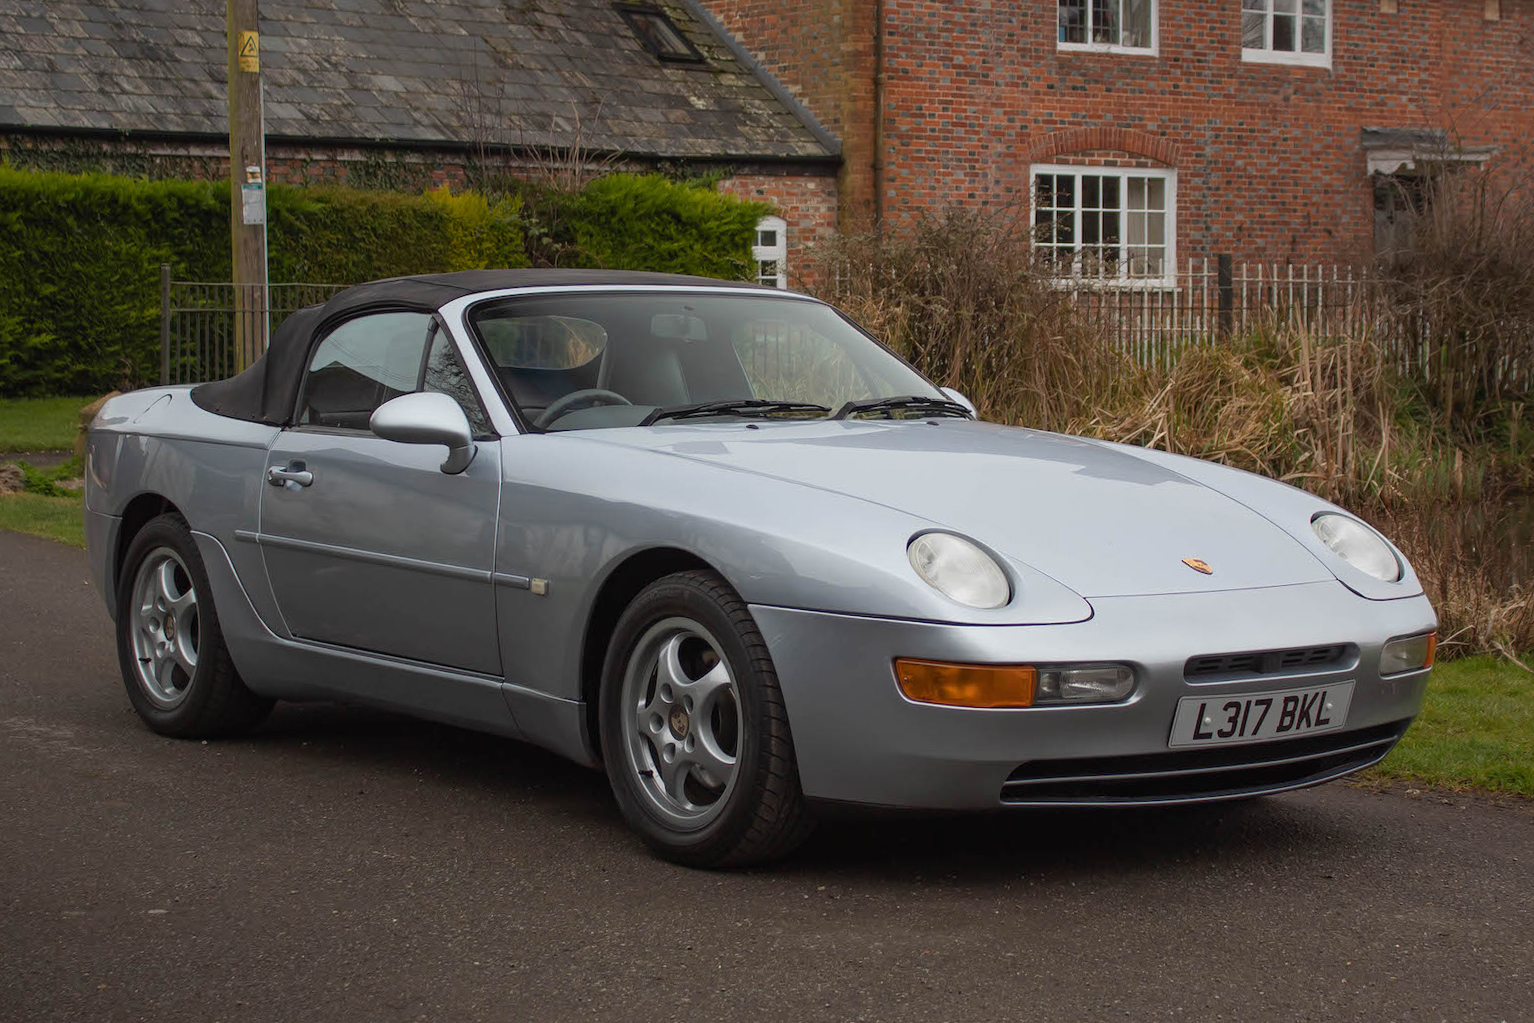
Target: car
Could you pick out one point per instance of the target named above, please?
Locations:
(719, 541)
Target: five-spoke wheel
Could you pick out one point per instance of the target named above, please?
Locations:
(165, 624)
(175, 665)
(683, 737)
(694, 732)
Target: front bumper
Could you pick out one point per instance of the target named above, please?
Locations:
(860, 741)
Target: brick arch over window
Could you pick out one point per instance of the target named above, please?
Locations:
(1076, 140)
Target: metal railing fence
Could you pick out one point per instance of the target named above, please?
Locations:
(1202, 302)
(1207, 299)
(200, 321)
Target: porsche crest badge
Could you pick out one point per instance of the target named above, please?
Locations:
(1198, 565)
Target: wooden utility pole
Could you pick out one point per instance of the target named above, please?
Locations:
(247, 181)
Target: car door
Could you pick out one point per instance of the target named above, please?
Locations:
(368, 544)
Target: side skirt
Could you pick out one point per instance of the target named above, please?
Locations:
(288, 669)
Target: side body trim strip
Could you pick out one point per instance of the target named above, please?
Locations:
(369, 557)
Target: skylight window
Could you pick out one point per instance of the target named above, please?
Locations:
(659, 33)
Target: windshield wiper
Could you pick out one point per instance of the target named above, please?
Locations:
(907, 402)
(733, 407)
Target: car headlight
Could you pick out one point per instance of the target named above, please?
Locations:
(959, 570)
(1358, 545)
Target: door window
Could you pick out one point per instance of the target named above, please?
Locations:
(372, 359)
(362, 364)
(445, 374)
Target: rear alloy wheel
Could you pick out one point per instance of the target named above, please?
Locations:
(174, 663)
(694, 731)
(165, 627)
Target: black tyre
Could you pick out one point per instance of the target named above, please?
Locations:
(174, 663)
(694, 732)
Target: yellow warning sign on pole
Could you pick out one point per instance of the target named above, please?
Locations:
(250, 51)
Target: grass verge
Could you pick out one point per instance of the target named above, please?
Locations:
(39, 424)
(55, 518)
(1476, 731)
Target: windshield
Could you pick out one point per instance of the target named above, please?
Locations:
(579, 360)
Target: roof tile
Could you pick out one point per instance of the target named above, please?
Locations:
(400, 70)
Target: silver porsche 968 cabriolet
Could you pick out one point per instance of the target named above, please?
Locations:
(719, 540)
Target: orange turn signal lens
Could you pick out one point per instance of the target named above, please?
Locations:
(987, 686)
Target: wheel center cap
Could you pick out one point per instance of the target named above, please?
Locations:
(679, 723)
(170, 628)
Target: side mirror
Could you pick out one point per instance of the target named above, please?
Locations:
(427, 418)
(958, 397)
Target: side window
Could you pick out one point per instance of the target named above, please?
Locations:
(362, 364)
(446, 374)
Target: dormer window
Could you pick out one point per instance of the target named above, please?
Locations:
(659, 33)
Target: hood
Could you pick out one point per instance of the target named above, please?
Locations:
(1098, 519)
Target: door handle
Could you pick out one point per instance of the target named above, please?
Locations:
(293, 472)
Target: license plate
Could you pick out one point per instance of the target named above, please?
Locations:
(1253, 717)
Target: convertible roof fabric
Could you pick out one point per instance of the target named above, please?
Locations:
(267, 391)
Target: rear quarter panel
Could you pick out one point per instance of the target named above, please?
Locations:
(158, 442)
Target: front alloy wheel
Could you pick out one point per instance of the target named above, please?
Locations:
(683, 735)
(694, 731)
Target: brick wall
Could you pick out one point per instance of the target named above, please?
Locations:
(822, 52)
(808, 204)
(1269, 158)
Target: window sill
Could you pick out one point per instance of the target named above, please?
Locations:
(1108, 48)
(1315, 60)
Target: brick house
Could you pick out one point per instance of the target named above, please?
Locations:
(1134, 134)
(412, 93)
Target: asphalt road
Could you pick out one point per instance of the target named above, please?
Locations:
(347, 865)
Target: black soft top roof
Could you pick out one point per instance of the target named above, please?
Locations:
(267, 391)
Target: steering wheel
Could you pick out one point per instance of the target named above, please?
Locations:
(590, 396)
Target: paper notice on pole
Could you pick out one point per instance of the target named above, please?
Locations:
(252, 204)
(250, 51)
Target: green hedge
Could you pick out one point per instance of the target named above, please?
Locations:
(79, 274)
(647, 222)
(80, 255)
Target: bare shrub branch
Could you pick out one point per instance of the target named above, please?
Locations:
(1465, 289)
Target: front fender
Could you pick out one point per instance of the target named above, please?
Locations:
(574, 508)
